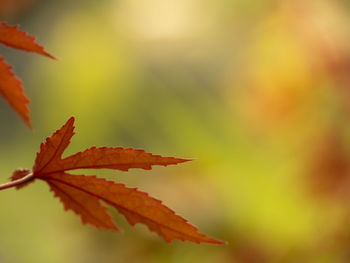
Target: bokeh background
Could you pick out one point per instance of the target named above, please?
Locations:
(257, 91)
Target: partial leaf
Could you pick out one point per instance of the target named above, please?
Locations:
(13, 37)
(49, 159)
(87, 206)
(52, 150)
(135, 205)
(11, 86)
(11, 89)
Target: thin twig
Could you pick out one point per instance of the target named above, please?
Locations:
(23, 180)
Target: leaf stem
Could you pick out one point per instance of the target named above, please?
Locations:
(23, 180)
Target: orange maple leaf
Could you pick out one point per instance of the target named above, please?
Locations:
(11, 86)
(83, 194)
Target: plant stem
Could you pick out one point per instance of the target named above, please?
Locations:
(25, 179)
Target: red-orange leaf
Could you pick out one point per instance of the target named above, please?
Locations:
(13, 37)
(135, 205)
(87, 206)
(49, 158)
(83, 194)
(10, 86)
(11, 89)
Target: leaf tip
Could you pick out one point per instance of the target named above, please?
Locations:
(50, 56)
(29, 124)
(187, 160)
(178, 161)
(214, 241)
(69, 123)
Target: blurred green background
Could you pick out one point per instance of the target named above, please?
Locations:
(256, 91)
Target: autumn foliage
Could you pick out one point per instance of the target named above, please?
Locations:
(83, 194)
(11, 86)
